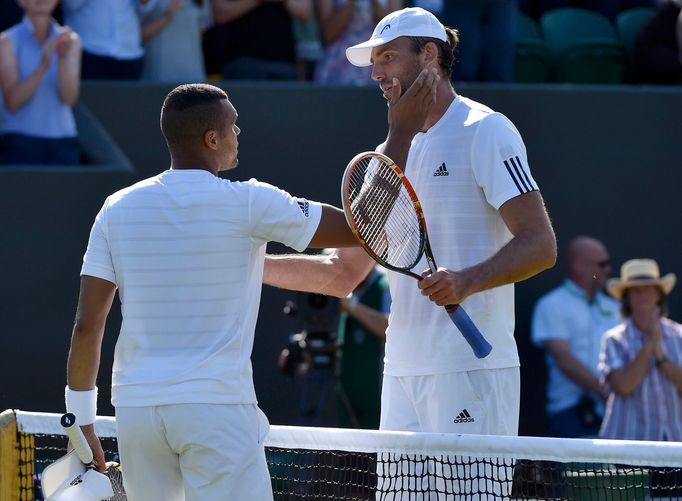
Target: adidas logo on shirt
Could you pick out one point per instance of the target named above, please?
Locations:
(464, 417)
(441, 171)
(304, 206)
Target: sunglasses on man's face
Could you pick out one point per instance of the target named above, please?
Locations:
(605, 263)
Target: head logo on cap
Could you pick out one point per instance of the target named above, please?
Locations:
(410, 22)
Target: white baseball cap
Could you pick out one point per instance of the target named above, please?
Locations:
(410, 22)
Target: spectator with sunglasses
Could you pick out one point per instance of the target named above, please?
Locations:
(568, 322)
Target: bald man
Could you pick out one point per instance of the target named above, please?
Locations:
(568, 322)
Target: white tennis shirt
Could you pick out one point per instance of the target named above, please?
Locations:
(463, 169)
(186, 250)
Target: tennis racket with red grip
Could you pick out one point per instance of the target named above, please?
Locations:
(383, 211)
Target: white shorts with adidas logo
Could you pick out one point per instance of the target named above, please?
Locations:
(484, 402)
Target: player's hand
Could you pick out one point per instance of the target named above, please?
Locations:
(95, 446)
(407, 112)
(444, 287)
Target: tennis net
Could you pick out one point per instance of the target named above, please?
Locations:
(347, 464)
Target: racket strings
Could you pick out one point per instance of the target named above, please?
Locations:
(384, 213)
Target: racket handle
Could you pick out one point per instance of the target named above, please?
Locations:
(77, 438)
(473, 336)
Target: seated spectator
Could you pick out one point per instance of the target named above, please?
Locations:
(112, 41)
(487, 34)
(344, 23)
(641, 358)
(171, 32)
(40, 80)
(233, 48)
(658, 47)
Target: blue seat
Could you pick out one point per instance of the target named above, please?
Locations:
(629, 23)
(532, 57)
(584, 46)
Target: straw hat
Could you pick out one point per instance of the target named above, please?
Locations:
(636, 272)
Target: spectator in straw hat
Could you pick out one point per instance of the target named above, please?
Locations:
(641, 359)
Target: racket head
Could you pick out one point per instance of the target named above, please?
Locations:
(383, 211)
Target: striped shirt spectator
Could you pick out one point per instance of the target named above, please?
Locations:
(642, 360)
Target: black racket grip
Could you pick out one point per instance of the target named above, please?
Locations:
(473, 336)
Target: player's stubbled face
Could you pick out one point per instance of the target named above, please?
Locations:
(395, 59)
(230, 146)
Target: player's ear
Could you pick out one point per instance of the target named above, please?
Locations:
(210, 139)
(430, 55)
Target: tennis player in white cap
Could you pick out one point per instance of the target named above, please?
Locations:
(488, 227)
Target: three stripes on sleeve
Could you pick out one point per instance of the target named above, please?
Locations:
(519, 175)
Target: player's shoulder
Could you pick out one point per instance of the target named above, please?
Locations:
(482, 116)
(124, 193)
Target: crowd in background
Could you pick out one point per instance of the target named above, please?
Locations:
(48, 46)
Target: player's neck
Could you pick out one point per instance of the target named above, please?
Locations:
(188, 162)
(444, 97)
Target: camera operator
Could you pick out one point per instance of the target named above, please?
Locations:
(361, 337)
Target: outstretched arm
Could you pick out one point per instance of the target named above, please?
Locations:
(337, 274)
(94, 303)
(531, 250)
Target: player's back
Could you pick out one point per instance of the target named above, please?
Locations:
(183, 256)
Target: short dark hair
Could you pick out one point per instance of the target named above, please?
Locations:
(626, 310)
(189, 111)
(446, 50)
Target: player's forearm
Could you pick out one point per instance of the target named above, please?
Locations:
(84, 356)
(300, 272)
(525, 255)
(397, 147)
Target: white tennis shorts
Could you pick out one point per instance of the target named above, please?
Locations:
(484, 402)
(194, 452)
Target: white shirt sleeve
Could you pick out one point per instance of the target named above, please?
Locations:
(97, 261)
(277, 216)
(499, 160)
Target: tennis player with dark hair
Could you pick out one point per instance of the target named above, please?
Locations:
(487, 224)
(185, 249)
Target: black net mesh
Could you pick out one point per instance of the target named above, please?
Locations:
(308, 474)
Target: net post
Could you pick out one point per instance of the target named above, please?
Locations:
(10, 467)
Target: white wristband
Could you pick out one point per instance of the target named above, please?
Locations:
(83, 404)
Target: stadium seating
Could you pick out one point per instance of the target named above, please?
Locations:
(532, 59)
(584, 46)
(629, 23)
